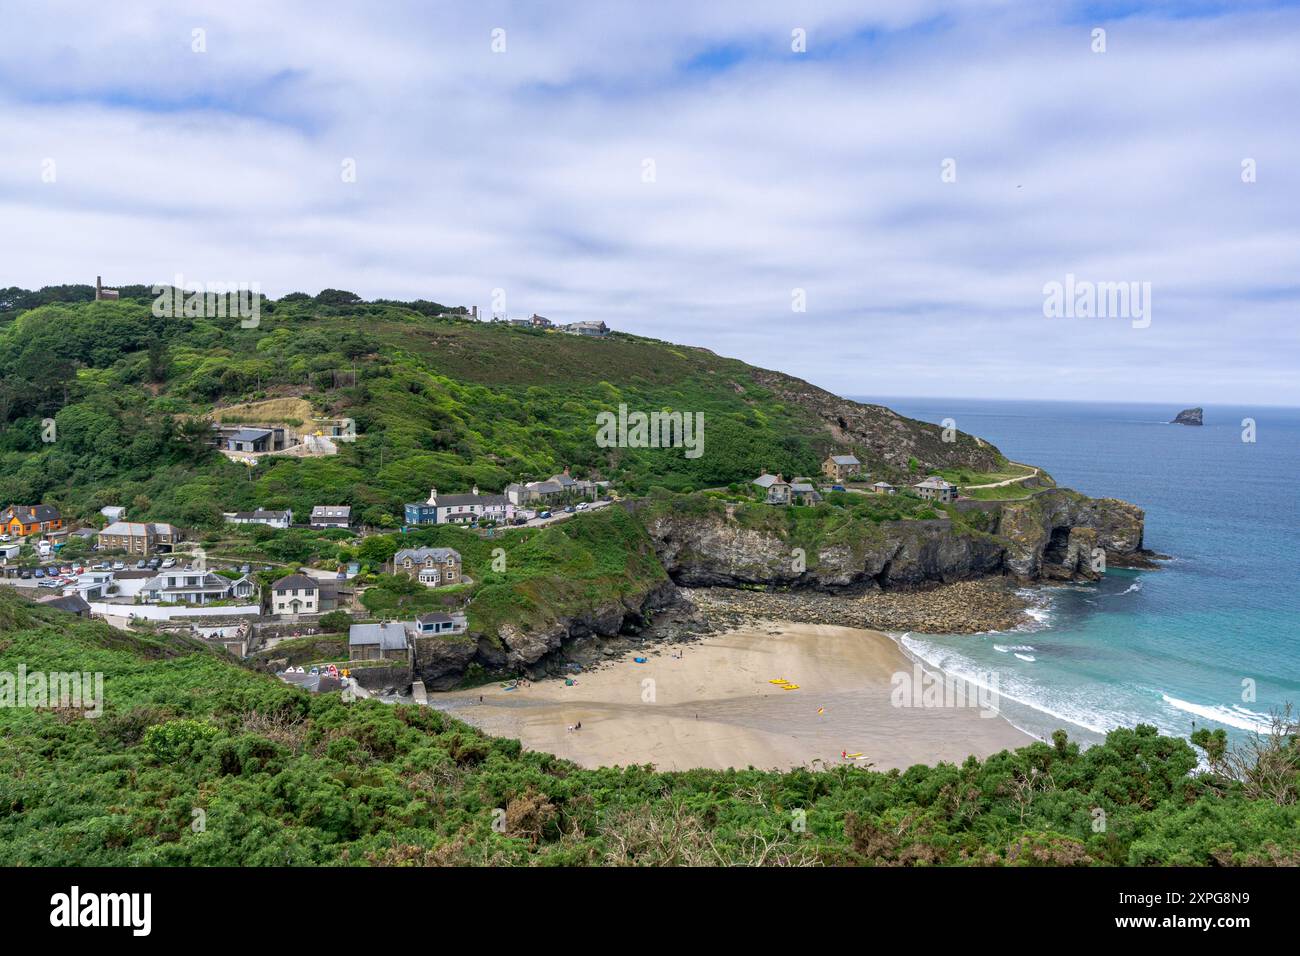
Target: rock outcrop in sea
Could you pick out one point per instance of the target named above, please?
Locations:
(1189, 416)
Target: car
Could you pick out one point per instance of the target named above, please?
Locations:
(66, 569)
(25, 574)
(153, 563)
(169, 563)
(245, 568)
(40, 573)
(544, 514)
(140, 565)
(583, 506)
(4, 537)
(521, 520)
(837, 487)
(118, 566)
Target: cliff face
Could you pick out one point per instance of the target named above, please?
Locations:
(516, 648)
(1057, 535)
(1189, 416)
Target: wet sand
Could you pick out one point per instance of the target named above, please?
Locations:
(714, 707)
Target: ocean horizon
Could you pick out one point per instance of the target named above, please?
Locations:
(1208, 639)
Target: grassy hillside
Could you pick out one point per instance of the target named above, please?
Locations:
(438, 401)
(198, 761)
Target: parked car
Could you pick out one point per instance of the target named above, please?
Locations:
(169, 563)
(118, 566)
(521, 520)
(66, 569)
(583, 506)
(544, 514)
(40, 573)
(25, 574)
(245, 568)
(837, 487)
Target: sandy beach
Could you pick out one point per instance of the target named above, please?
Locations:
(714, 706)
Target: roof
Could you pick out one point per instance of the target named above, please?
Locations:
(29, 513)
(767, 481)
(251, 434)
(802, 487)
(207, 579)
(74, 603)
(133, 529)
(563, 479)
(443, 501)
(296, 582)
(434, 617)
(934, 481)
(332, 511)
(882, 484)
(845, 460)
(389, 635)
(259, 513)
(420, 554)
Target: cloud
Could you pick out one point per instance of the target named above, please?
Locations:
(773, 171)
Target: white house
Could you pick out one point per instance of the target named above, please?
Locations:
(272, 519)
(113, 513)
(460, 509)
(295, 594)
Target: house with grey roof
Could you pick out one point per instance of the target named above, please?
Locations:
(383, 641)
(432, 567)
(776, 488)
(804, 493)
(331, 516)
(182, 586)
(295, 594)
(842, 467)
(439, 623)
(935, 488)
(459, 509)
(139, 537)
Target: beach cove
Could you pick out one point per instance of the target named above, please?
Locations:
(712, 704)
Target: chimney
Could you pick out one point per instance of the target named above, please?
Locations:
(433, 496)
(474, 491)
(99, 286)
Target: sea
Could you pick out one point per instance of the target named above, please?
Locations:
(1211, 639)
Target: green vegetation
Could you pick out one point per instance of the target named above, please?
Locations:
(437, 402)
(532, 575)
(198, 761)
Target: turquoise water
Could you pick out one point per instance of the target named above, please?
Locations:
(1171, 647)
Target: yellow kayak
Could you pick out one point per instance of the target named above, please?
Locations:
(789, 686)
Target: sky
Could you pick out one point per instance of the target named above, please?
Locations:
(873, 196)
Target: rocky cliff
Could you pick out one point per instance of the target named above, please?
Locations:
(1189, 416)
(517, 648)
(1056, 535)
